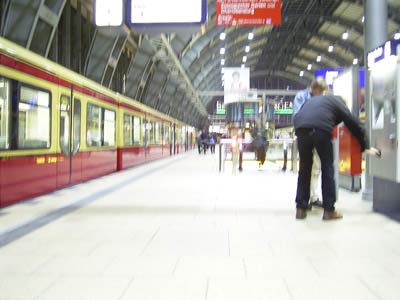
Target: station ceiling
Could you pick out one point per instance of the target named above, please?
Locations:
(174, 72)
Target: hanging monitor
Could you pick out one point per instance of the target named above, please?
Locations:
(161, 16)
(108, 13)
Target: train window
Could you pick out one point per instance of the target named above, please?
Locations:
(76, 136)
(65, 123)
(100, 126)
(157, 133)
(136, 130)
(109, 128)
(167, 131)
(128, 132)
(33, 118)
(131, 130)
(152, 133)
(93, 134)
(145, 127)
(4, 113)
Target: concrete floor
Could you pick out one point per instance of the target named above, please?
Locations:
(179, 229)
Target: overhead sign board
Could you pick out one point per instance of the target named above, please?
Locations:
(248, 12)
(166, 16)
(390, 48)
(329, 74)
(108, 13)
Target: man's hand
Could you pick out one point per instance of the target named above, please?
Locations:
(373, 151)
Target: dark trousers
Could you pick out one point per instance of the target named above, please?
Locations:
(212, 148)
(307, 140)
(284, 159)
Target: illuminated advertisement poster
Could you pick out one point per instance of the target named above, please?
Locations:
(248, 12)
(171, 11)
(343, 87)
(236, 84)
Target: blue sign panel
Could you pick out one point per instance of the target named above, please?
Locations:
(390, 48)
(330, 73)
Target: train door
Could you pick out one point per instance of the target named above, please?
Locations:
(69, 168)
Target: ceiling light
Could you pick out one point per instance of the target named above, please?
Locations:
(247, 49)
(244, 59)
(222, 50)
(301, 73)
(250, 36)
(355, 61)
(330, 48)
(397, 36)
(243, 66)
(345, 35)
(222, 62)
(362, 19)
(319, 58)
(222, 36)
(309, 67)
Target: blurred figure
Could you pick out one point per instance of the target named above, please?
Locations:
(204, 142)
(199, 140)
(260, 143)
(211, 141)
(237, 84)
(284, 155)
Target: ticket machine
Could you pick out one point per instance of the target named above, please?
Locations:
(384, 82)
(347, 85)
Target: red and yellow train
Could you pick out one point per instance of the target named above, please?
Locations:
(59, 128)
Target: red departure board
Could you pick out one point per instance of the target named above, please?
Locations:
(248, 12)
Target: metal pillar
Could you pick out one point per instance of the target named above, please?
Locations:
(375, 34)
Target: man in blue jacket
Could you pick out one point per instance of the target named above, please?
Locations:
(313, 125)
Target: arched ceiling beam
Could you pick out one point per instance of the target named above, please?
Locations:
(283, 74)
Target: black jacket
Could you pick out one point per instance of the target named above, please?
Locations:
(327, 111)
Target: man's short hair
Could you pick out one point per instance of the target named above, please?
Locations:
(319, 83)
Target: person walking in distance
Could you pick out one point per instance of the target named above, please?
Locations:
(313, 125)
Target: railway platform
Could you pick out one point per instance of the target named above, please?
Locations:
(179, 229)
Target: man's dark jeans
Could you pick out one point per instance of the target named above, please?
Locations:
(307, 140)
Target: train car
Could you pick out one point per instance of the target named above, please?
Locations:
(59, 128)
(143, 134)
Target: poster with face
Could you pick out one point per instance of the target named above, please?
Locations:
(236, 84)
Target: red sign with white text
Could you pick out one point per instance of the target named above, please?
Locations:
(248, 12)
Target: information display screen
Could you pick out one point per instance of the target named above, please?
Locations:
(108, 13)
(167, 12)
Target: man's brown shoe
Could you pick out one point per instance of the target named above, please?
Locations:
(331, 215)
(301, 213)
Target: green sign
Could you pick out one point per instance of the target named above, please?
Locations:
(286, 111)
(248, 111)
(221, 111)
